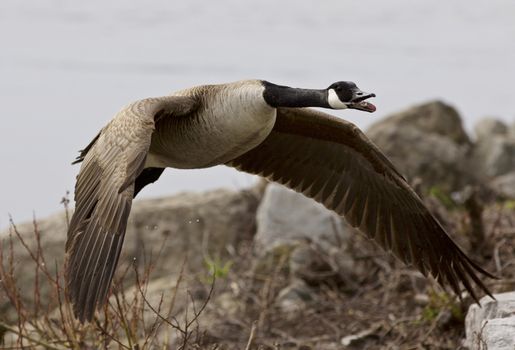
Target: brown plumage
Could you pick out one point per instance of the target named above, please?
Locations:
(333, 162)
(242, 125)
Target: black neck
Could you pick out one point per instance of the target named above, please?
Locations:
(284, 96)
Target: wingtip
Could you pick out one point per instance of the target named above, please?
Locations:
(477, 300)
(81, 313)
(471, 267)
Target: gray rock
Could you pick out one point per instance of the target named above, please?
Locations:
(491, 326)
(317, 265)
(427, 141)
(308, 264)
(488, 127)
(433, 117)
(494, 152)
(287, 217)
(504, 185)
(494, 155)
(497, 334)
(199, 225)
(302, 237)
(192, 225)
(295, 297)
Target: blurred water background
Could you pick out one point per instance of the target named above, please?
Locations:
(66, 66)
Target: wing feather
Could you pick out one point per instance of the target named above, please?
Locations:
(103, 194)
(332, 161)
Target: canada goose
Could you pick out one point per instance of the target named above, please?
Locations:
(257, 127)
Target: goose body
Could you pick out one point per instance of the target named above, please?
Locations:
(263, 129)
(222, 131)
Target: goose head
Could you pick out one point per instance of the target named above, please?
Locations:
(339, 95)
(345, 94)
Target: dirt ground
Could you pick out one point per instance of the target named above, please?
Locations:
(387, 305)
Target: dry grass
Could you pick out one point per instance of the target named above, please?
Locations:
(387, 305)
(49, 323)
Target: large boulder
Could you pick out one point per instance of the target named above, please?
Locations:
(433, 117)
(196, 226)
(287, 217)
(491, 325)
(302, 234)
(427, 141)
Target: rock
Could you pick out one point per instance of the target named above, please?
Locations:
(295, 231)
(488, 127)
(427, 141)
(295, 296)
(494, 152)
(316, 266)
(302, 240)
(287, 217)
(491, 326)
(306, 240)
(201, 225)
(504, 185)
(494, 155)
(192, 225)
(498, 334)
(308, 264)
(433, 117)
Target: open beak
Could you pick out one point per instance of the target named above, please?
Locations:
(359, 101)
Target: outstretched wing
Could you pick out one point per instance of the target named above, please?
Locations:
(333, 162)
(103, 195)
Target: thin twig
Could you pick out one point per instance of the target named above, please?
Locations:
(35, 341)
(105, 332)
(252, 335)
(25, 245)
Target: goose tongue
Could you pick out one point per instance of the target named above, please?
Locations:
(365, 106)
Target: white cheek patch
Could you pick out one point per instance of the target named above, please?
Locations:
(334, 101)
